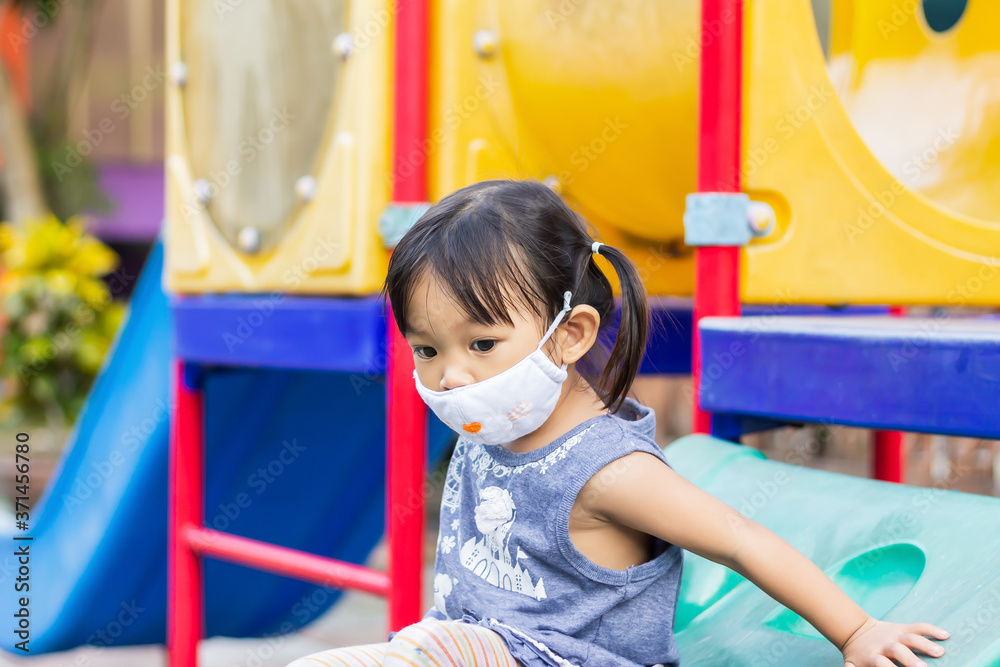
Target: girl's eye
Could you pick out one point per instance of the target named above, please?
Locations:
(425, 352)
(483, 345)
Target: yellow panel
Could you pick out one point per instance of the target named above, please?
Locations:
(885, 178)
(598, 99)
(329, 244)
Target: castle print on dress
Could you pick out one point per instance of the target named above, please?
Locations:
(490, 556)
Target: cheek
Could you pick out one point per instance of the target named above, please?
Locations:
(429, 377)
(508, 356)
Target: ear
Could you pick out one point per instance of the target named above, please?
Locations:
(578, 332)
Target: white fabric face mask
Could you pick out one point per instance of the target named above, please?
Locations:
(508, 405)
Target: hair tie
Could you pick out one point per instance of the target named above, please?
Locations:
(596, 247)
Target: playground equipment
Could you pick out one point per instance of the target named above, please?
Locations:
(100, 534)
(898, 175)
(901, 552)
(272, 257)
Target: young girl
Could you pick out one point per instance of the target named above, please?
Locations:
(562, 523)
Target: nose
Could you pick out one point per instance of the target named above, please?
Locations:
(455, 376)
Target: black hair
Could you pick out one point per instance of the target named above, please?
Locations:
(497, 244)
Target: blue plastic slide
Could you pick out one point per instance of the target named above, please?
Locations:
(292, 458)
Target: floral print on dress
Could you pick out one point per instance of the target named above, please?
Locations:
(443, 585)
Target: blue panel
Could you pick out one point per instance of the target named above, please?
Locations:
(668, 350)
(348, 334)
(785, 310)
(280, 331)
(909, 374)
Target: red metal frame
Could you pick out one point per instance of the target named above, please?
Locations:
(185, 592)
(406, 431)
(888, 455)
(407, 416)
(717, 268)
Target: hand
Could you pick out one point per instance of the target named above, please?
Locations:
(878, 643)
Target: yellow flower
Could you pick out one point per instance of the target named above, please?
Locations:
(60, 281)
(93, 258)
(93, 292)
(89, 352)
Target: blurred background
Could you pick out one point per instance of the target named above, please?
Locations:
(82, 154)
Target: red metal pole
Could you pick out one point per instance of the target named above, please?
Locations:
(284, 561)
(717, 268)
(406, 416)
(888, 451)
(186, 507)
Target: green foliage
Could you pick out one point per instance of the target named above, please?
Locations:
(60, 318)
(67, 189)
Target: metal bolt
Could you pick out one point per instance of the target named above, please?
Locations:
(761, 218)
(485, 43)
(202, 191)
(305, 188)
(343, 45)
(248, 239)
(178, 73)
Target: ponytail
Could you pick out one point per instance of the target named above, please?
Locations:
(626, 354)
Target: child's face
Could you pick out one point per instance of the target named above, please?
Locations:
(450, 350)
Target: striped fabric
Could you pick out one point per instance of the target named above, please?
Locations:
(429, 643)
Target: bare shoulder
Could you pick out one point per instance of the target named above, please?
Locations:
(623, 480)
(640, 491)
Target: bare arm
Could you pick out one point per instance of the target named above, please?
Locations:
(683, 514)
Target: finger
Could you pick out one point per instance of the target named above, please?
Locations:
(921, 644)
(882, 661)
(928, 629)
(904, 655)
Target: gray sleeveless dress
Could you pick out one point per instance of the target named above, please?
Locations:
(505, 559)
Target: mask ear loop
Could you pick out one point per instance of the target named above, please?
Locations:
(555, 323)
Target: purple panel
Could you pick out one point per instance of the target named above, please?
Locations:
(136, 192)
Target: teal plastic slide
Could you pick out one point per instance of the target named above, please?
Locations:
(906, 554)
